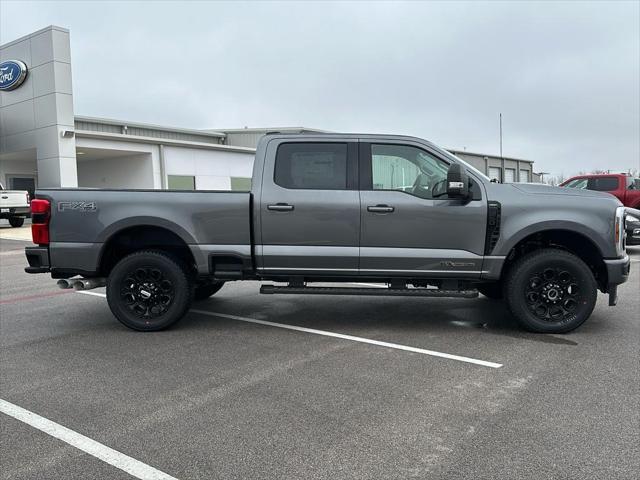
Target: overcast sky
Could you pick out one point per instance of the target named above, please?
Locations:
(566, 76)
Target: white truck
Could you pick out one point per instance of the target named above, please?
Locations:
(14, 206)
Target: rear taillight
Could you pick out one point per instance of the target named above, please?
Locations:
(28, 198)
(40, 216)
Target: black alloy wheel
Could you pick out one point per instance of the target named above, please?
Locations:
(149, 290)
(550, 291)
(553, 294)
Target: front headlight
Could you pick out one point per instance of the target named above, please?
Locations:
(631, 218)
(619, 235)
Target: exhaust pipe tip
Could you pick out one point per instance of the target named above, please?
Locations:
(82, 283)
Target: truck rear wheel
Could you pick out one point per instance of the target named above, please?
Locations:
(205, 290)
(149, 290)
(16, 221)
(550, 291)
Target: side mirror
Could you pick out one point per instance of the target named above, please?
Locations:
(457, 181)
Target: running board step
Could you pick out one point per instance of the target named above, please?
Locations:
(393, 292)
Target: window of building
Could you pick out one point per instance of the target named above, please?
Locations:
(495, 173)
(407, 169)
(524, 176)
(181, 182)
(241, 184)
(604, 184)
(509, 175)
(319, 166)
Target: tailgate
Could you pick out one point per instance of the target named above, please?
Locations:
(13, 198)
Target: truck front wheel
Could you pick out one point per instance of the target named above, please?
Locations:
(550, 291)
(149, 290)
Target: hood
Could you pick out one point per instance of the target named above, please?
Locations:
(535, 189)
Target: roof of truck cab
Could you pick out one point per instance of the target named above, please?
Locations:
(347, 135)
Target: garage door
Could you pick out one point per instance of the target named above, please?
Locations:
(509, 175)
(494, 172)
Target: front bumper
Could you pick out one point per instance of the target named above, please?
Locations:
(617, 273)
(38, 258)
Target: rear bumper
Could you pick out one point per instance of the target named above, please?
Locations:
(38, 258)
(15, 212)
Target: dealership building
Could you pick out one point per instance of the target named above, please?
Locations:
(44, 144)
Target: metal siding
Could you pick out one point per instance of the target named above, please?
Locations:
(144, 132)
(171, 135)
(242, 139)
(97, 127)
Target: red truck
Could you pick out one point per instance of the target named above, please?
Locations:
(624, 187)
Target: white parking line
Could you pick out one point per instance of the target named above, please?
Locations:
(95, 294)
(325, 333)
(96, 449)
(17, 239)
(11, 252)
(379, 343)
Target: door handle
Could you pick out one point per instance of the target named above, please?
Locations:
(380, 209)
(280, 207)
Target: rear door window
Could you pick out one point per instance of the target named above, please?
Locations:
(603, 184)
(318, 166)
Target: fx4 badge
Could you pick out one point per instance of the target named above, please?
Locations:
(457, 264)
(77, 206)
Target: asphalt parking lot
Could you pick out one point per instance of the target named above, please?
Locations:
(220, 397)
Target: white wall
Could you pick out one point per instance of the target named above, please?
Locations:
(129, 149)
(213, 169)
(16, 167)
(134, 171)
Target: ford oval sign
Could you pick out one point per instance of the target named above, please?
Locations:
(12, 74)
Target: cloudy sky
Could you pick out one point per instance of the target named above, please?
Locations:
(566, 76)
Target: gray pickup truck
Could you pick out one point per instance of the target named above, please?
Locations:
(339, 208)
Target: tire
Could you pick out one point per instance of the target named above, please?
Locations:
(492, 290)
(149, 291)
(550, 291)
(205, 290)
(16, 221)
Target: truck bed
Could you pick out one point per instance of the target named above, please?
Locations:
(83, 221)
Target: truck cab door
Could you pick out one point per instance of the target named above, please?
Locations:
(309, 208)
(407, 227)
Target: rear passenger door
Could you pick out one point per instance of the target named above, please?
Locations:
(309, 208)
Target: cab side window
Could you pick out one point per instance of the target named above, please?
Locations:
(318, 166)
(407, 169)
(604, 184)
